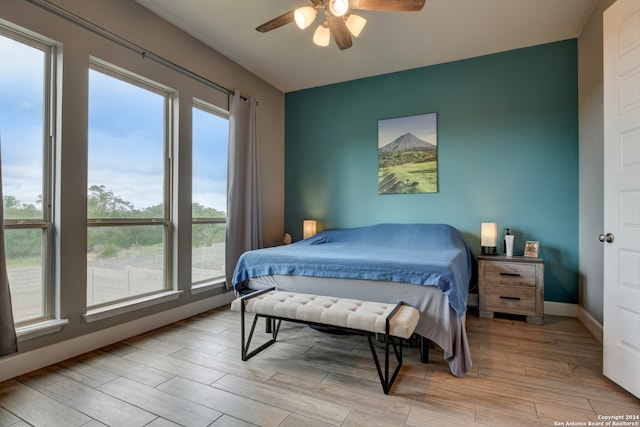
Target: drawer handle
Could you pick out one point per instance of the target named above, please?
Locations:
(510, 274)
(510, 298)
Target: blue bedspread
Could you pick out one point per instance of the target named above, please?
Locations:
(421, 254)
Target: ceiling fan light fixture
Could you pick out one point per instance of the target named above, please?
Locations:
(338, 7)
(355, 24)
(304, 16)
(322, 36)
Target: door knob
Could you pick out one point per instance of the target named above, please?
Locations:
(606, 238)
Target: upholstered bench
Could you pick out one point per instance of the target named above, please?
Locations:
(363, 317)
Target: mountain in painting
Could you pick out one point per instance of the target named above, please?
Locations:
(407, 142)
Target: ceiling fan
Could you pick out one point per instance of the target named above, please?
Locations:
(338, 21)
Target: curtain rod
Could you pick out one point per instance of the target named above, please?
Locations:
(81, 22)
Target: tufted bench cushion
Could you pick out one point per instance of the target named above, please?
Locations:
(342, 312)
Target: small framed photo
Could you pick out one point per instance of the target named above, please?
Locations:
(531, 248)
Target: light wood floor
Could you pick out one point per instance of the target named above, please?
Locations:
(190, 373)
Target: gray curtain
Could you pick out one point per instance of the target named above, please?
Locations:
(243, 184)
(8, 343)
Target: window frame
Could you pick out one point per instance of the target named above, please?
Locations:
(169, 95)
(46, 222)
(206, 284)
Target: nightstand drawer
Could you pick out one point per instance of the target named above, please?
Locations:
(499, 297)
(510, 273)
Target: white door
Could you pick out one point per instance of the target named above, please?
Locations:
(621, 323)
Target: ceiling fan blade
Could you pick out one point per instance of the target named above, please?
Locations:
(340, 32)
(388, 5)
(277, 22)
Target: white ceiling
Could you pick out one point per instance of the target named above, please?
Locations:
(444, 31)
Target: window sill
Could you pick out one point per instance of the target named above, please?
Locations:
(204, 287)
(113, 310)
(35, 330)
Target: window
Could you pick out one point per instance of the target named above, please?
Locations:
(26, 77)
(128, 206)
(210, 140)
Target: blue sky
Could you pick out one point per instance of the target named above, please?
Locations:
(126, 131)
(126, 140)
(21, 110)
(210, 138)
(424, 126)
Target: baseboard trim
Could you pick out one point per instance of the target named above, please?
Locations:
(560, 309)
(575, 310)
(590, 323)
(22, 363)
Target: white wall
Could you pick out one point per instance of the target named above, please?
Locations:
(591, 149)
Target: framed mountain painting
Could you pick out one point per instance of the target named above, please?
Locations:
(408, 154)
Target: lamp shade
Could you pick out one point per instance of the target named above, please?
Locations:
(304, 16)
(489, 234)
(355, 24)
(322, 36)
(308, 228)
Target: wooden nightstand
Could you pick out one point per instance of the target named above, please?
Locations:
(512, 285)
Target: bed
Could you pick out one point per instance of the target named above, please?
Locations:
(428, 266)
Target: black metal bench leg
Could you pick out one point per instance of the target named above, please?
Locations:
(385, 380)
(424, 349)
(246, 354)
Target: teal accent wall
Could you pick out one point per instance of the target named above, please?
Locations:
(507, 152)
